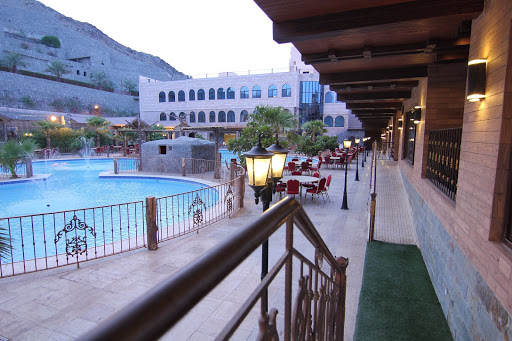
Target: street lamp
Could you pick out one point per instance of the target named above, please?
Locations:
(265, 168)
(357, 159)
(363, 158)
(346, 144)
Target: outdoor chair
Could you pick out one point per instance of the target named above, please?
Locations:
(297, 172)
(304, 167)
(311, 185)
(327, 161)
(291, 166)
(293, 188)
(280, 188)
(327, 186)
(317, 168)
(317, 190)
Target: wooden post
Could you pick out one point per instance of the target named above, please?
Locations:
(232, 171)
(28, 166)
(183, 167)
(341, 280)
(116, 166)
(151, 226)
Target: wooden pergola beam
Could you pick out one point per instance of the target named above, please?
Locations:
(329, 25)
(381, 105)
(375, 87)
(376, 76)
(365, 96)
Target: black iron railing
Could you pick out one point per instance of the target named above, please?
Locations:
(443, 159)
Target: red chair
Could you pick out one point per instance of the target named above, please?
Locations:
(327, 161)
(293, 188)
(295, 159)
(327, 185)
(280, 188)
(291, 166)
(317, 190)
(311, 185)
(317, 168)
(297, 172)
(304, 167)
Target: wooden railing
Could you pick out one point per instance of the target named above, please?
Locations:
(443, 159)
(317, 312)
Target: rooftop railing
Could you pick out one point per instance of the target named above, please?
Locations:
(311, 283)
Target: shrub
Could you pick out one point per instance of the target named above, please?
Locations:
(25, 46)
(57, 104)
(28, 102)
(50, 41)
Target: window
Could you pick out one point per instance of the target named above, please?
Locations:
(329, 97)
(256, 92)
(78, 72)
(328, 121)
(200, 95)
(201, 117)
(221, 94)
(162, 150)
(212, 116)
(339, 121)
(181, 96)
(244, 115)
(231, 116)
(272, 91)
(211, 94)
(244, 92)
(310, 101)
(192, 117)
(410, 136)
(163, 117)
(231, 93)
(161, 96)
(286, 91)
(191, 95)
(172, 97)
(172, 117)
(222, 116)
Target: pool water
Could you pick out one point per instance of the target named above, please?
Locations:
(76, 184)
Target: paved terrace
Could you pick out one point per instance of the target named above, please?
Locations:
(64, 303)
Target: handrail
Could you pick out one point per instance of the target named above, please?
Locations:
(151, 315)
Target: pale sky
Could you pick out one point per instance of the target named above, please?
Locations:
(193, 36)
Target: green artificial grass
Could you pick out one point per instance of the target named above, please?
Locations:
(397, 300)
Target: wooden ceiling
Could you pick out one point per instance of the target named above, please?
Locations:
(374, 52)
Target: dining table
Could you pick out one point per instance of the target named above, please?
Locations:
(303, 179)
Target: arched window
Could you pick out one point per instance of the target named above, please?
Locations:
(183, 115)
(181, 96)
(231, 116)
(211, 94)
(200, 95)
(244, 115)
(172, 97)
(231, 93)
(201, 117)
(163, 117)
(221, 94)
(161, 96)
(286, 91)
(212, 116)
(222, 116)
(192, 118)
(191, 95)
(272, 91)
(244, 92)
(328, 121)
(256, 92)
(329, 97)
(339, 121)
(172, 117)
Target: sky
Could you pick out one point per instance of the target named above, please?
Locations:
(193, 36)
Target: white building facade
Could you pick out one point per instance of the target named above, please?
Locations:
(228, 100)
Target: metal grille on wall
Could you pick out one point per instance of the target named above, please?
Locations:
(443, 159)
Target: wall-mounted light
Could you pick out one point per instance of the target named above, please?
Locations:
(400, 124)
(417, 115)
(476, 79)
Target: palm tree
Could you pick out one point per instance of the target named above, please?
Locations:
(129, 85)
(58, 69)
(5, 244)
(99, 124)
(278, 119)
(313, 128)
(47, 128)
(12, 60)
(12, 152)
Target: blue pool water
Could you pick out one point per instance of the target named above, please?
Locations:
(75, 184)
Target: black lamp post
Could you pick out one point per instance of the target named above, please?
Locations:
(357, 159)
(265, 168)
(346, 144)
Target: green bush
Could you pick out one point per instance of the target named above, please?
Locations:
(50, 41)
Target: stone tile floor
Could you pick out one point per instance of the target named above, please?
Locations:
(64, 303)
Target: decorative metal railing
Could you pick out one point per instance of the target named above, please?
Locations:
(443, 159)
(385, 150)
(50, 240)
(308, 286)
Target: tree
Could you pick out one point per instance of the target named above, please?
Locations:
(129, 85)
(13, 151)
(102, 81)
(313, 128)
(5, 244)
(99, 125)
(278, 119)
(46, 128)
(51, 41)
(58, 69)
(12, 60)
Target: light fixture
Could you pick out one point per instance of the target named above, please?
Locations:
(477, 79)
(347, 144)
(278, 160)
(344, 204)
(417, 115)
(258, 166)
(357, 159)
(400, 124)
(53, 118)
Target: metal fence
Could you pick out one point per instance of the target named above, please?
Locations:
(443, 159)
(50, 240)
